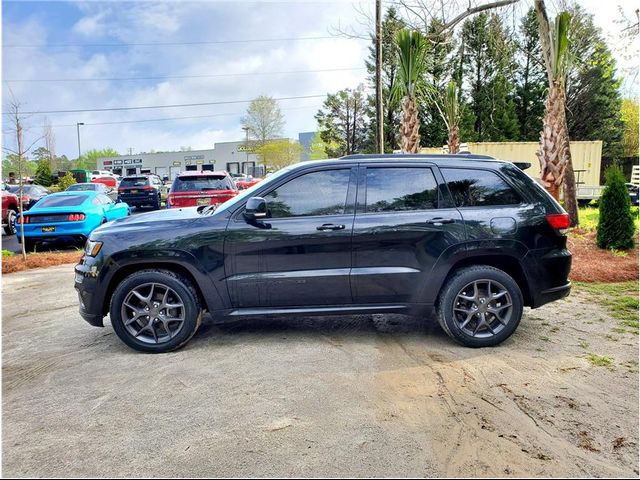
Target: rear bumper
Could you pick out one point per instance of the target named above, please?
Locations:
(547, 273)
(140, 200)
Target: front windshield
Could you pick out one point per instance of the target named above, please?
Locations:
(248, 193)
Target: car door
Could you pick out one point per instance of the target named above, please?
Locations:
(301, 254)
(404, 223)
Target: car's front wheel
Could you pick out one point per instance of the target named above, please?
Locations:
(155, 311)
(480, 306)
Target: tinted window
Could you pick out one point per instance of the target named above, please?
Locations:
(476, 188)
(82, 187)
(134, 182)
(62, 201)
(401, 189)
(316, 193)
(200, 183)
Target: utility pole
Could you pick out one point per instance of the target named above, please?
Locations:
(246, 148)
(78, 127)
(379, 110)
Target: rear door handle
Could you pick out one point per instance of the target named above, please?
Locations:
(440, 221)
(330, 226)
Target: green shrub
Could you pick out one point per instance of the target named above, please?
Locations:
(66, 181)
(43, 174)
(615, 223)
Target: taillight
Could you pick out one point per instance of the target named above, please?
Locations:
(20, 219)
(559, 221)
(76, 217)
(148, 188)
(121, 189)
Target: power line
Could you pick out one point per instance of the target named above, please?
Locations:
(167, 44)
(181, 76)
(176, 118)
(145, 107)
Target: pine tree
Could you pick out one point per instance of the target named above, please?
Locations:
(43, 174)
(615, 224)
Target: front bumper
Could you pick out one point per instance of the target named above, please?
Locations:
(90, 296)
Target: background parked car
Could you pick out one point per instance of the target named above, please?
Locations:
(69, 216)
(108, 180)
(30, 194)
(94, 187)
(192, 189)
(141, 191)
(100, 173)
(246, 181)
(9, 210)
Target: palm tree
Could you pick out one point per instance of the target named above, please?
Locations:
(449, 110)
(554, 154)
(411, 53)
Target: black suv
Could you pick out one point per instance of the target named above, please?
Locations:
(140, 191)
(473, 237)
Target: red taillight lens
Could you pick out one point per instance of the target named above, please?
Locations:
(76, 217)
(21, 218)
(148, 188)
(121, 189)
(559, 221)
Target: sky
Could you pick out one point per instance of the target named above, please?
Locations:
(271, 48)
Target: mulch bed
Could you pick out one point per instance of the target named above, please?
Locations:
(593, 264)
(38, 260)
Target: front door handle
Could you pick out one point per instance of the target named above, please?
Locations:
(330, 226)
(440, 221)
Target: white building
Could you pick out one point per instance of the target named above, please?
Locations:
(233, 157)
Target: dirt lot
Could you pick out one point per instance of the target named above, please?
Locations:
(360, 396)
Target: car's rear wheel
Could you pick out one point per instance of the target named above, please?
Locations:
(10, 227)
(155, 311)
(480, 306)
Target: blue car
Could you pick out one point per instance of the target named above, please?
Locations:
(68, 216)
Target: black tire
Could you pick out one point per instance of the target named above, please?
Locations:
(10, 227)
(180, 286)
(453, 322)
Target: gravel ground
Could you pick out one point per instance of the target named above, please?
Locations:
(369, 395)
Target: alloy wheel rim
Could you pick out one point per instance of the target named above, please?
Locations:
(483, 308)
(153, 313)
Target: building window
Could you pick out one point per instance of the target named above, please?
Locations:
(248, 168)
(233, 167)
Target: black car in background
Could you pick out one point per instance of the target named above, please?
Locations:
(30, 194)
(141, 191)
(473, 238)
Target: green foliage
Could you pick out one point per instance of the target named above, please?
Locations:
(43, 173)
(66, 181)
(411, 49)
(530, 79)
(391, 24)
(277, 154)
(342, 122)
(560, 45)
(629, 112)
(7, 253)
(600, 360)
(264, 120)
(89, 159)
(318, 148)
(615, 224)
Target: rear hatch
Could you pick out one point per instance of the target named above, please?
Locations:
(196, 190)
(136, 189)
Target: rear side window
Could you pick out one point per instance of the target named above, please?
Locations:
(134, 182)
(62, 201)
(190, 183)
(478, 188)
(401, 189)
(315, 193)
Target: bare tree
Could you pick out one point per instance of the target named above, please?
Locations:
(16, 120)
(49, 143)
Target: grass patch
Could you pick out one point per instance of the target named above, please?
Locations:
(7, 253)
(584, 344)
(621, 299)
(600, 360)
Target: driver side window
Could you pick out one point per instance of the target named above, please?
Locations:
(315, 193)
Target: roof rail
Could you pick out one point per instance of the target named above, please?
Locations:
(419, 155)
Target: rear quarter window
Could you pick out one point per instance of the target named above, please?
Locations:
(479, 188)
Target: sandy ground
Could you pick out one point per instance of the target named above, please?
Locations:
(371, 395)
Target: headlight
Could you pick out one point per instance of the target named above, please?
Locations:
(92, 248)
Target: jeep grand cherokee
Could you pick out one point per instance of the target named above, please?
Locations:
(474, 238)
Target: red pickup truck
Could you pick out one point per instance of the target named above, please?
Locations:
(9, 211)
(195, 188)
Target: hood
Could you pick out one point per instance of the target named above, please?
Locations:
(154, 218)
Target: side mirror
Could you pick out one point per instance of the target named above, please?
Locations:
(255, 209)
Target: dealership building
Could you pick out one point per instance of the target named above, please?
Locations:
(234, 157)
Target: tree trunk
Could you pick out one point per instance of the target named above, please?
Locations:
(570, 196)
(454, 139)
(409, 130)
(554, 153)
